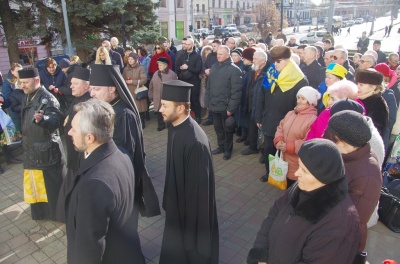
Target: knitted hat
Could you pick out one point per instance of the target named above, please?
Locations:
(64, 63)
(384, 69)
(280, 52)
(322, 158)
(163, 60)
(337, 70)
(133, 55)
(238, 51)
(248, 54)
(244, 44)
(346, 104)
(311, 94)
(350, 127)
(369, 76)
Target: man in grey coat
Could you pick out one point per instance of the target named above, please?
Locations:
(223, 94)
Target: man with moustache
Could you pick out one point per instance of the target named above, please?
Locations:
(41, 118)
(188, 67)
(223, 93)
(260, 64)
(108, 85)
(80, 91)
(191, 224)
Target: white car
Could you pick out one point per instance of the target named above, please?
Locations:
(313, 37)
(231, 26)
(359, 20)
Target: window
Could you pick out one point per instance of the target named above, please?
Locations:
(197, 7)
(163, 3)
(244, 5)
(225, 4)
(248, 5)
(179, 3)
(231, 4)
(219, 3)
(213, 3)
(203, 8)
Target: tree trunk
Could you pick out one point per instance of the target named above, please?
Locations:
(9, 30)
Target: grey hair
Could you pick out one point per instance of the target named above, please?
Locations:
(97, 118)
(114, 38)
(262, 54)
(391, 55)
(313, 49)
(228, 50)
(344, 53)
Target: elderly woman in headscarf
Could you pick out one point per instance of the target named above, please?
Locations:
(315, 220)
(135, 77)
(155, 88)
(281, 83)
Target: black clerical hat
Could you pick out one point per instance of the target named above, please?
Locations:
(109, 75)
(100, 75)
(81, 73)
(28, 73)
(176, 91)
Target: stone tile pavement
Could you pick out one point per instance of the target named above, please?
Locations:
(242, 203)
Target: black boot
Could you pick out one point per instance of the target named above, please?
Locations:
(361, 258)
(143, 119)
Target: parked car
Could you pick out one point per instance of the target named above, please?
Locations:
(242, 28)
(234, 32)
(231, 25)
(211, 32)
(198, 33)
(312, 37)
(222, 33)
(359, 20)
(305, 21)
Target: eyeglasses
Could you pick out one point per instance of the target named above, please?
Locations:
(158, 48)
(334, 57)
(362, 61)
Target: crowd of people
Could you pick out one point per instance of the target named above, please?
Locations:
(333, 117)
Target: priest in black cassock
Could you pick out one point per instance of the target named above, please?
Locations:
(191, 225)
(108, 85)
(80, 91)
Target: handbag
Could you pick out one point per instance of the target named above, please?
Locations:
(389, 210)
(141, 92)
(278, 169)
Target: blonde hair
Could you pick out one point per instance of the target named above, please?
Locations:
(75, 59)
(203, 52)
(105, 51)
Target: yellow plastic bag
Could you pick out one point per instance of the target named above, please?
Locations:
(278, 169)
(34, 187)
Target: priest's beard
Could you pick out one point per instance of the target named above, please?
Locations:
(171, 117)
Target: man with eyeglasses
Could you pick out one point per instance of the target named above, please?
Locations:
(231, 43)
(340, 56)
(188, 67)
(393, 61)
(367, 61)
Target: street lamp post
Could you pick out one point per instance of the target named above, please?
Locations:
(281, 5)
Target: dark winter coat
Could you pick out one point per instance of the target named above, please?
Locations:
(194, 63)
(58, 80)
(16, 99)
(242, 117)
(320, 229)
(210, 61)
(101, 219)
(254, 91)
(224, 87)
(390, 100)
(272, 107)
(117, 58)
(365, 181)
(381, 57)
(41, 149)
(7, 89)
(315, 74)
(376, 108)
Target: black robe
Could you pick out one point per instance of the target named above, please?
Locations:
(191, 225)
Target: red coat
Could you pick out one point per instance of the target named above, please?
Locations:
(293, 130)
(153, 67)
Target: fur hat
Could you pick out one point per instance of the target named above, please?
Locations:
(163, 60)
(337, 70)
(384, 69)
(346, 104)
(311, 94)
(280, 52)
(64, 63)
(322, 159)
(248, 54)
(350, 127)
(238, 51)
(369, 76)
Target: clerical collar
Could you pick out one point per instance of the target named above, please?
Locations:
(115, 101)
(87, 154)
(183, 120)
(34, 94)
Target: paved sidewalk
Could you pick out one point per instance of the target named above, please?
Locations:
(242, 203)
